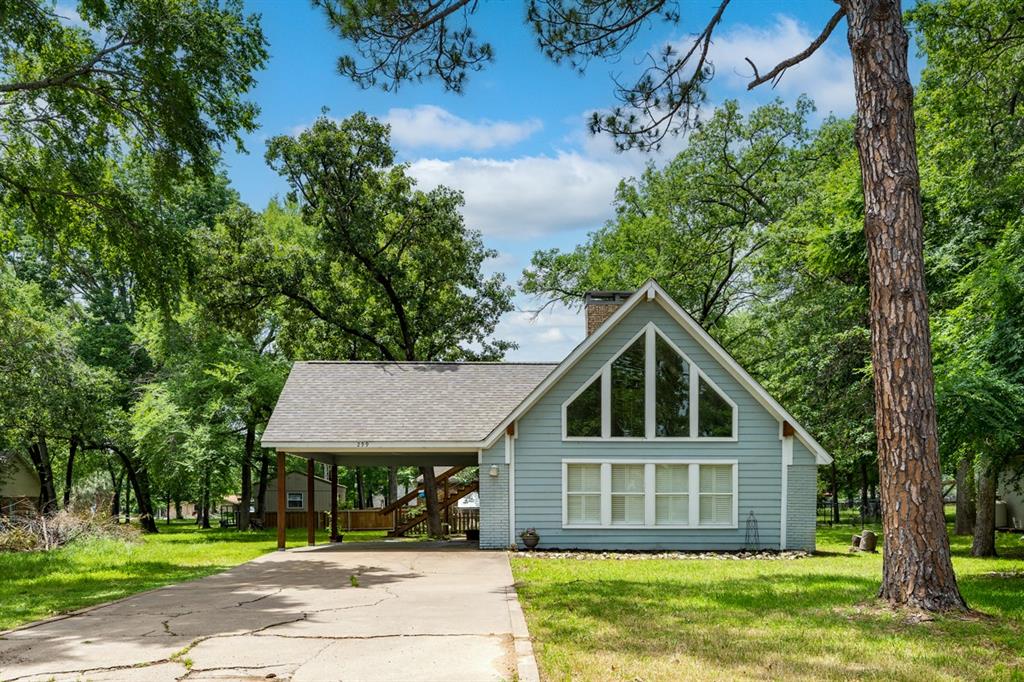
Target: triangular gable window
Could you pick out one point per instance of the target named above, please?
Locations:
(649, 389)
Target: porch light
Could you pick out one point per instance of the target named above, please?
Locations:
(494, 471)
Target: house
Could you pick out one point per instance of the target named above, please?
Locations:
(296, 500)
(19, 485)
(648, 435)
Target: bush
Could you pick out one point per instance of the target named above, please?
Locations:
(55, 530)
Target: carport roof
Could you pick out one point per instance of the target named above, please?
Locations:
(378, 405)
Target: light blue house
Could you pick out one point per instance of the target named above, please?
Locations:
(647, 436)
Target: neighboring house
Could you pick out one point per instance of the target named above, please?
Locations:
(1011, 492)
(296, 499)
(19, 485)
(648, 435)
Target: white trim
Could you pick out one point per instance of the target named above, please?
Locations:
(649, 494)
(650, 408)
(510, 449)
(376, 447)
(700, 335)
(787, 459)
(650, 332)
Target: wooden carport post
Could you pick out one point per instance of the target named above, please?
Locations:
(310, 505)
(334, 503)
(282, 499)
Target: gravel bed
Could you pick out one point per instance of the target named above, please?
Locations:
(640, 556)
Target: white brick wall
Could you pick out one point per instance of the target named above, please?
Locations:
(801, 509)
(494, 498)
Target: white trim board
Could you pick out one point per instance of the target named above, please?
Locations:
(653, 290)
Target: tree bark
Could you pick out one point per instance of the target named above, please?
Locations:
(39, 454)
(965, 507)
(984, 543)
(127, 505)
(261, 491)
(433, 508)
(115, 502)
(916, 569)
(392, 483)
(359, 488)
(835, 495)
(177, 509)
(69, 471)
(206, 498)
(138, 479)
(250, 446)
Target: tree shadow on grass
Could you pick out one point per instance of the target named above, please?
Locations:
(780, 625)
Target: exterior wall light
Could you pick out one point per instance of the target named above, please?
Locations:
(494, 471)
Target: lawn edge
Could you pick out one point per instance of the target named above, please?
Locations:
(527, 669)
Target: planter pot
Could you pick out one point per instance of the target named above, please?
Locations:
(530, 541)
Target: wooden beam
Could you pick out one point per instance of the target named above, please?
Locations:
(310, 505)
(334, 503)
(787, 429)
(282, 499)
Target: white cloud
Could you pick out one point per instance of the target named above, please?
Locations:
(826, 76)
(547, 337)
(431, 126)
(529, 195)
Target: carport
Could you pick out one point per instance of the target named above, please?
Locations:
(422, 414)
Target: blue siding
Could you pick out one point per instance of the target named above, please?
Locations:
(540, 450)
(801, 508)
(494, 498)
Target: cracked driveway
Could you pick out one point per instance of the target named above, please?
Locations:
(369, 611)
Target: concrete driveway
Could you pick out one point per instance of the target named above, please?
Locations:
(369, 611)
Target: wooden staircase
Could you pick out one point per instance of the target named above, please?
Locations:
(402, 525)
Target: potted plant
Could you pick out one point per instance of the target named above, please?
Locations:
(530, 537)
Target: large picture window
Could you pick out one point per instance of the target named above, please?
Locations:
(676, 494)
(649, 390)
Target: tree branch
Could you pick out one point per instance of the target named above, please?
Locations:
(776, 73)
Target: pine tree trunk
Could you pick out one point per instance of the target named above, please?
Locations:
(138, 481)
(250, 446)
(917, 570)
(985, 523)
(965, 507)
(206, 498)
(392, 483)
(433, 508)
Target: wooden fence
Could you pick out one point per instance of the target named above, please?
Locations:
(459, 520)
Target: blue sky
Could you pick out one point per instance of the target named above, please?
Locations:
(516, 142)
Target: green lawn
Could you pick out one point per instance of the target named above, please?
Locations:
(811, 618)
(34, 585)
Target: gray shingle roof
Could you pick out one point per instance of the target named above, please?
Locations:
(398, 401)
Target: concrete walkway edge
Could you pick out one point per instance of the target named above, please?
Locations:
(526, 662)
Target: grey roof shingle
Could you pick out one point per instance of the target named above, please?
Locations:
(398, 401)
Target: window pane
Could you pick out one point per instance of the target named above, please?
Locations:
(583, 415)
(583, 478)
(671, 391)
(627, 478)
(628, 509)
(716, 478)
(628, 391)
(584, 509)
(716, 509)
(672, 478)
(672, 510)
(714, 414)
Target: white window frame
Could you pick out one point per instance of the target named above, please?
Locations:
(650, 494)
(288, 500)
(604, 375)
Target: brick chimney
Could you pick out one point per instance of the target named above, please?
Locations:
(600, 305)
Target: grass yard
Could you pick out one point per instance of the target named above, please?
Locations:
(35, 585)
(811, 618)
